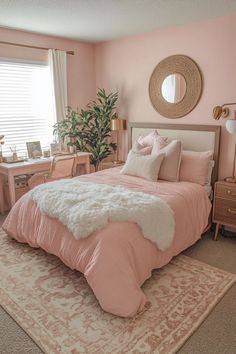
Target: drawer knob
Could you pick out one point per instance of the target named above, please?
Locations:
(230, 192)
(231, 211)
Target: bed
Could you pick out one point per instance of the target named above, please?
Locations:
(117, 259)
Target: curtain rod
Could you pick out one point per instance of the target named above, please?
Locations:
(71, 52)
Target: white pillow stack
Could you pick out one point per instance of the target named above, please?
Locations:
(152, 157)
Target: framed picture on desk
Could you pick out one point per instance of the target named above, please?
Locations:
(57, 148)
(34, 149)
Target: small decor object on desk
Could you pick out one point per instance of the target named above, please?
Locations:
(13, 158)
(9, 159)
(224, 208)
(46, 152)
(34, 149)
(55, 148)
(118, 125)
(72, 149)
(14, 153)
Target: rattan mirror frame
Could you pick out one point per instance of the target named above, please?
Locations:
(186, 67)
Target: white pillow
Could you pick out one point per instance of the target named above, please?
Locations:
(170, 167)
(146, 167)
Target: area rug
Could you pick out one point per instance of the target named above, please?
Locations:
(58, 310)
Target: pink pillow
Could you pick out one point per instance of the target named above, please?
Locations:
(140, 149)
(148, 140)
(194, 166)
(169, 170)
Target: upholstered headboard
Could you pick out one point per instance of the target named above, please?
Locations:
(193, 137)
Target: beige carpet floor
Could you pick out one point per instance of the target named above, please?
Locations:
(216, 334)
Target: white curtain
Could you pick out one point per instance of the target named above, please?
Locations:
(58, 68)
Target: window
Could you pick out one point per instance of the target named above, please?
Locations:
(26, 105)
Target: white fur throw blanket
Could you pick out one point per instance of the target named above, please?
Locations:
(86, 207)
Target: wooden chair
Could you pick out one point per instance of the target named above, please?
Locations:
(61, 167)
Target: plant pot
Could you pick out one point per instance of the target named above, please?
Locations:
(71, 149)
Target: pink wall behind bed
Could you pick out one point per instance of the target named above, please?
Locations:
(126, 65)
(81, 66)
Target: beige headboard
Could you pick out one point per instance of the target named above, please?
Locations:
(193, 137)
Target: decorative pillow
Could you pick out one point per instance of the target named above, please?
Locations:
(161, 142)
(142, 166)
(169, 170)
(140, 149)
(194, 166)
(148, 140)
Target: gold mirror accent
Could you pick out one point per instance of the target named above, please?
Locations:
(176, 102)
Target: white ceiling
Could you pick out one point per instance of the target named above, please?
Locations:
(100, 20)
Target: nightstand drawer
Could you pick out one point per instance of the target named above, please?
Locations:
(226, 191)
(225, 211)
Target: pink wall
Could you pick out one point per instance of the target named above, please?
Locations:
(126, 65)
(81, 66)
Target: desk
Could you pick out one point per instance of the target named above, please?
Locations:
(31, 166)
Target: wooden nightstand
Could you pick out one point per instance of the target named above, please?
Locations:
(110, 164)
(224, 207)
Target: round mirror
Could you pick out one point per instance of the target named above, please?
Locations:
(173, 88)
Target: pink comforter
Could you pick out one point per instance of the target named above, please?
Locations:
(117, 259)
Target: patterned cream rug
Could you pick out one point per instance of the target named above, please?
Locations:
(56, 307)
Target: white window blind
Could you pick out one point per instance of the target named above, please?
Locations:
(26, 105)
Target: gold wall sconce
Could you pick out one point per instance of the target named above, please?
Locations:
(222, 111)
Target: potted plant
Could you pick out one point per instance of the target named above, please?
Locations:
(67, 129)
(90, 129)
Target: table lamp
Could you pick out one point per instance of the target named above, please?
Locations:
(118, 125)
(231, 128)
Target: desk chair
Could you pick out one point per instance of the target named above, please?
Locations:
(61, 167)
